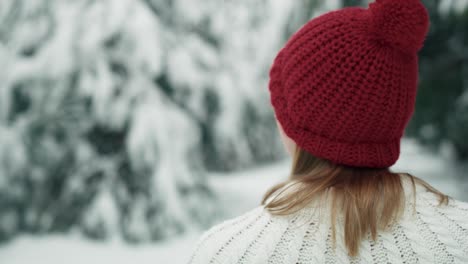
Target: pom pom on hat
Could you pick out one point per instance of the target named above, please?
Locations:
(402, 24)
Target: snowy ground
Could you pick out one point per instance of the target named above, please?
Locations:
(238, 193)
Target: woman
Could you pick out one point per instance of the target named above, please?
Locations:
(343, 89)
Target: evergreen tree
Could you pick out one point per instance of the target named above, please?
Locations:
(111, 112)
(442, 106)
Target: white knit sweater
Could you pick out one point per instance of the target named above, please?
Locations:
(430, 234)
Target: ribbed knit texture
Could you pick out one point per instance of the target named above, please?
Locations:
(344, 85)
(430, 234)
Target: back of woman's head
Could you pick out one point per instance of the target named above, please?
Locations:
(344, 85)
(343, 89)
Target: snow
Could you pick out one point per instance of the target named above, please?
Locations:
(453, 5)
(75, 250)
(438, 170)
(237, 193)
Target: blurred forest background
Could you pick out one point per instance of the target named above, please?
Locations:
(113, 112)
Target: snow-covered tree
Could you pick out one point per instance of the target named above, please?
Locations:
(111, 112)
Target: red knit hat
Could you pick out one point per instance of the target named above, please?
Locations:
(344, 85)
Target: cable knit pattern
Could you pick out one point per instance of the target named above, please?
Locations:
(344, 85)
(428, 234)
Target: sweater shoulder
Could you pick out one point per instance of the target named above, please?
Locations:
(221, 238)
(260, 237)
(438, 232)
(428, 202)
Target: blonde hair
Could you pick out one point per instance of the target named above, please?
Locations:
(369, 199)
